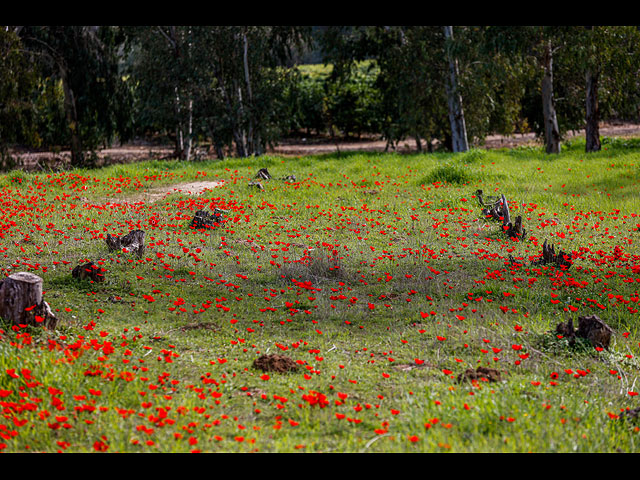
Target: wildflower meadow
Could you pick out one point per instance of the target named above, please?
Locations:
(354, 302)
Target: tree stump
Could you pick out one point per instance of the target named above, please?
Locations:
(495, 208)
(263, 174)
(595, 330)
(591, 328)
(132, 242)
(561, 259)
(89, 271)
(515, 230)
(204, 220)
(21, 301)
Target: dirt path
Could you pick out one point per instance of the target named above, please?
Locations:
(30, 160)
(193, 188)
(311, 147)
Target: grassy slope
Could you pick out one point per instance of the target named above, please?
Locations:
(373, 272)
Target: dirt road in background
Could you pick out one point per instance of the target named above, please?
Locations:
(31, 160)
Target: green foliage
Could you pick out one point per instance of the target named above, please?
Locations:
(451, 172)
(236, 89)
(17, 79)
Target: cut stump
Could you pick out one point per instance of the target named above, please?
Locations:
(89, 271)
(549, 256)
(21, 301)
(133, 242)
(205, 220)
(591, 328)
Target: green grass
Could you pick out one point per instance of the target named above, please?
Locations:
(374, 272)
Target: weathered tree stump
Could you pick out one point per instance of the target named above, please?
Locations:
(591, 328)
(89, 271)
(21, 301)
(133, 242)
(205, 220)
(549, 256)
(494, 208)
(515, 230)
(264, 174)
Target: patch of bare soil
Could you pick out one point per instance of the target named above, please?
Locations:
(275, 363)
(481, 373)
(193, 188)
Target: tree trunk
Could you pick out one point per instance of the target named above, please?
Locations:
(188, 143)
(21, 301)
(551, 131)
(179, 149)
(239, 132)
(593, 112)
(418, 143)
(253, 141)
(459, 141)
(77, 153)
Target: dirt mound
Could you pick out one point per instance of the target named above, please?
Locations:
(488, 374)
(275, 363)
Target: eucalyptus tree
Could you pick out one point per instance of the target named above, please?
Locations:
(426, 77)
(85, 59)
(607, 58)
(539, 46)
(459, 139)
(18, 79)
(224, 82)
(162, 68)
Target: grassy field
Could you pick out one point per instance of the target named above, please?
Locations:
(375, 276)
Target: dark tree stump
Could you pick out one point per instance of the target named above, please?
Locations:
(549, 256)
(591, 328)
(494, 208)
(21, 301)
(595, 330)
(89, 271)
(264, 174)
(133, 242)
(515, 230)
(205, 220)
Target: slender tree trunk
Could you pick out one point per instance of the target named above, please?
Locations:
(418, 143)
(551, 131)
(593, 112)
(459, 141)
(179, 130)
(188, 144)
(253, 136)
(77, 153)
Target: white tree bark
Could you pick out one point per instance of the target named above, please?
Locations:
(456, 113)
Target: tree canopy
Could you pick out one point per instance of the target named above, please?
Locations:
(239, 89)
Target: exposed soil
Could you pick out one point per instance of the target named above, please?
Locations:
(38, 160)
(481, 373)
(275, 363)
(193, 188)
